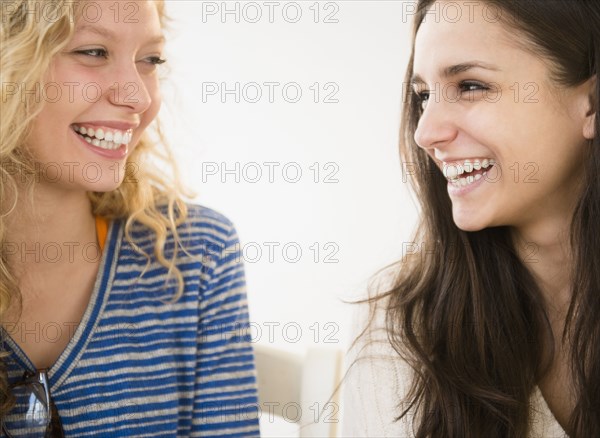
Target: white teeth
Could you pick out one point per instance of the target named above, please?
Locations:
(468, 166)
(462, 182)
(468, 180)
(104, 139)
(453, 170)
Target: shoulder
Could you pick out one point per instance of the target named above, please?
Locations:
(204, 230)
(213, 236)
(200, 213)
(212, 232)
(206, 220)
(205, 234)
(377, 380)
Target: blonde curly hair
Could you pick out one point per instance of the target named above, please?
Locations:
(27, 47)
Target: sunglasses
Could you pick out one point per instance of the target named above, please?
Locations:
(34, 415)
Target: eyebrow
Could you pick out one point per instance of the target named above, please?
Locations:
(453, 70)
(110, 35)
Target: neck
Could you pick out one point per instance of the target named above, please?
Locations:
(50, 230)
(545, 250)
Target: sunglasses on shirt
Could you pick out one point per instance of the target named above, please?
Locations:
(34, 415)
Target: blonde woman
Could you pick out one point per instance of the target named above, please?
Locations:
(123, 309)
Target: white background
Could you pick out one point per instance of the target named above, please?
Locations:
(363, 214)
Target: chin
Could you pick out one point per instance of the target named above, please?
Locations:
(103, 186)
(470, 224)
(470, 228)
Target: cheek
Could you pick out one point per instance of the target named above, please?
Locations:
(50, 129)
(154, 108)
(150, 114)
(486, 128)
(485, 113)
(511, 132)
(80, 86)
(65, 95)
(35, 141)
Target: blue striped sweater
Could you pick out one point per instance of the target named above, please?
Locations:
(138, 366)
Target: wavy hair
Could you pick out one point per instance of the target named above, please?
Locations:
(468, 317)
(27, 47)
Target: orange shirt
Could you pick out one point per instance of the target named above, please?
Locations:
(101, 231)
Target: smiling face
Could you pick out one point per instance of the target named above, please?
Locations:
(493, 105)
(103, 93)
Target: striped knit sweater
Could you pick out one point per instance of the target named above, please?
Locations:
(138, 366)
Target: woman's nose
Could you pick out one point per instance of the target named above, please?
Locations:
(436, 125)
(130, 90)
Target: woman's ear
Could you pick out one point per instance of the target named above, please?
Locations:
(589, 126)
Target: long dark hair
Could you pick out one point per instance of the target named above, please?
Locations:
(468, 315)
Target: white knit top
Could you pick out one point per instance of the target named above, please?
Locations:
(376, 382)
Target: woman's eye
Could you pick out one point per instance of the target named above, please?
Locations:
(421, 97)
(151, 63)
(156, 60)
(471, 86)
(96, 53)
(471, 90)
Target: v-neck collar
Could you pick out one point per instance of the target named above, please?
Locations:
(544, 422)
(68, 359)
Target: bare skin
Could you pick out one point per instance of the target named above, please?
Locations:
(55, 290)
